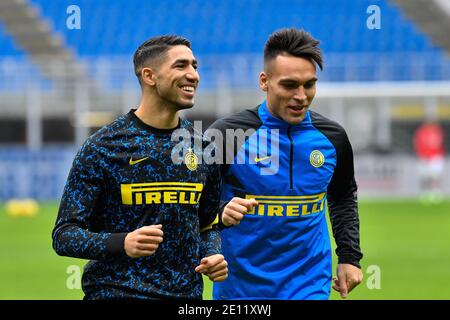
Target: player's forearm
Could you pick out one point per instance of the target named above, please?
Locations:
(345, 224)
(73, 241)
(220, 224)
(211, 242)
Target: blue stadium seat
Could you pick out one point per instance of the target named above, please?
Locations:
(102, 22)
(231, 27)
(7, 45)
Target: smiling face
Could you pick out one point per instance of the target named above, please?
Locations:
(177, 78)
(290, 83)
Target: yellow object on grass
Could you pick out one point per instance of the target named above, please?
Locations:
(22, 207)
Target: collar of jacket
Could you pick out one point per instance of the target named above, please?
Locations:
(276, 123)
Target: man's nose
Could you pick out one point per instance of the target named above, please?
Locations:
(300, 94)
(192, 75)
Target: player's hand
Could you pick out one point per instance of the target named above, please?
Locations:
(215, 267)
(144, 241)
(234, 211)
(348, 277)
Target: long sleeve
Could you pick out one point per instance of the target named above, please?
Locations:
(343, 205)
(208, 214)
(72, 234)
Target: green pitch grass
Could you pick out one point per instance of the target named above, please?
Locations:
(406, 241)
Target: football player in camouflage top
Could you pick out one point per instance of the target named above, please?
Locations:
(147, 223)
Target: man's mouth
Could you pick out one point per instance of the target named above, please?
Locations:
(297, 109)
(188, 89)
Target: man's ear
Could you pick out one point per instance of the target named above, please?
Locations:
(263, 81)
(148, 76)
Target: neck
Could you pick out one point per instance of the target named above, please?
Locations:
(156, 113)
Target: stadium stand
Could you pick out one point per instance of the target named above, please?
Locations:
(7, 45)
(221, 30)
(234, 26)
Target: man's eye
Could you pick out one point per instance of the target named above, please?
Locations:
(289, 85)
(310, 85)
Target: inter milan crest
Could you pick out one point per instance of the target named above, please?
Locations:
(191, 160)
(316, 158)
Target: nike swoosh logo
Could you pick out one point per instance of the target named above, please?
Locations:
(262, 159)
(132, 162)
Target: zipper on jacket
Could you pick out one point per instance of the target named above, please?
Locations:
(291, 156)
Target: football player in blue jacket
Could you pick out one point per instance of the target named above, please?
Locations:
(292, 164)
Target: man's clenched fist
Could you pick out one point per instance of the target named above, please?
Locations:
(143, 241)
(215, 267)
(234, 211)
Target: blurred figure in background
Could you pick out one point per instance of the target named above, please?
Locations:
(429, 148)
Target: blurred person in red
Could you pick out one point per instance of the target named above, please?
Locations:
(429, 148)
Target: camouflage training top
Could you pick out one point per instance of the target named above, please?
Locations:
(126, 176)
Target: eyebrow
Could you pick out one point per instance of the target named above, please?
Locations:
(185, 61)
(314, 79)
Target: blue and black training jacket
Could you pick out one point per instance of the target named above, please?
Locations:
(281, 249)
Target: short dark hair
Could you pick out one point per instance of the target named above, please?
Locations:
(294, 42)
(154, 49)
